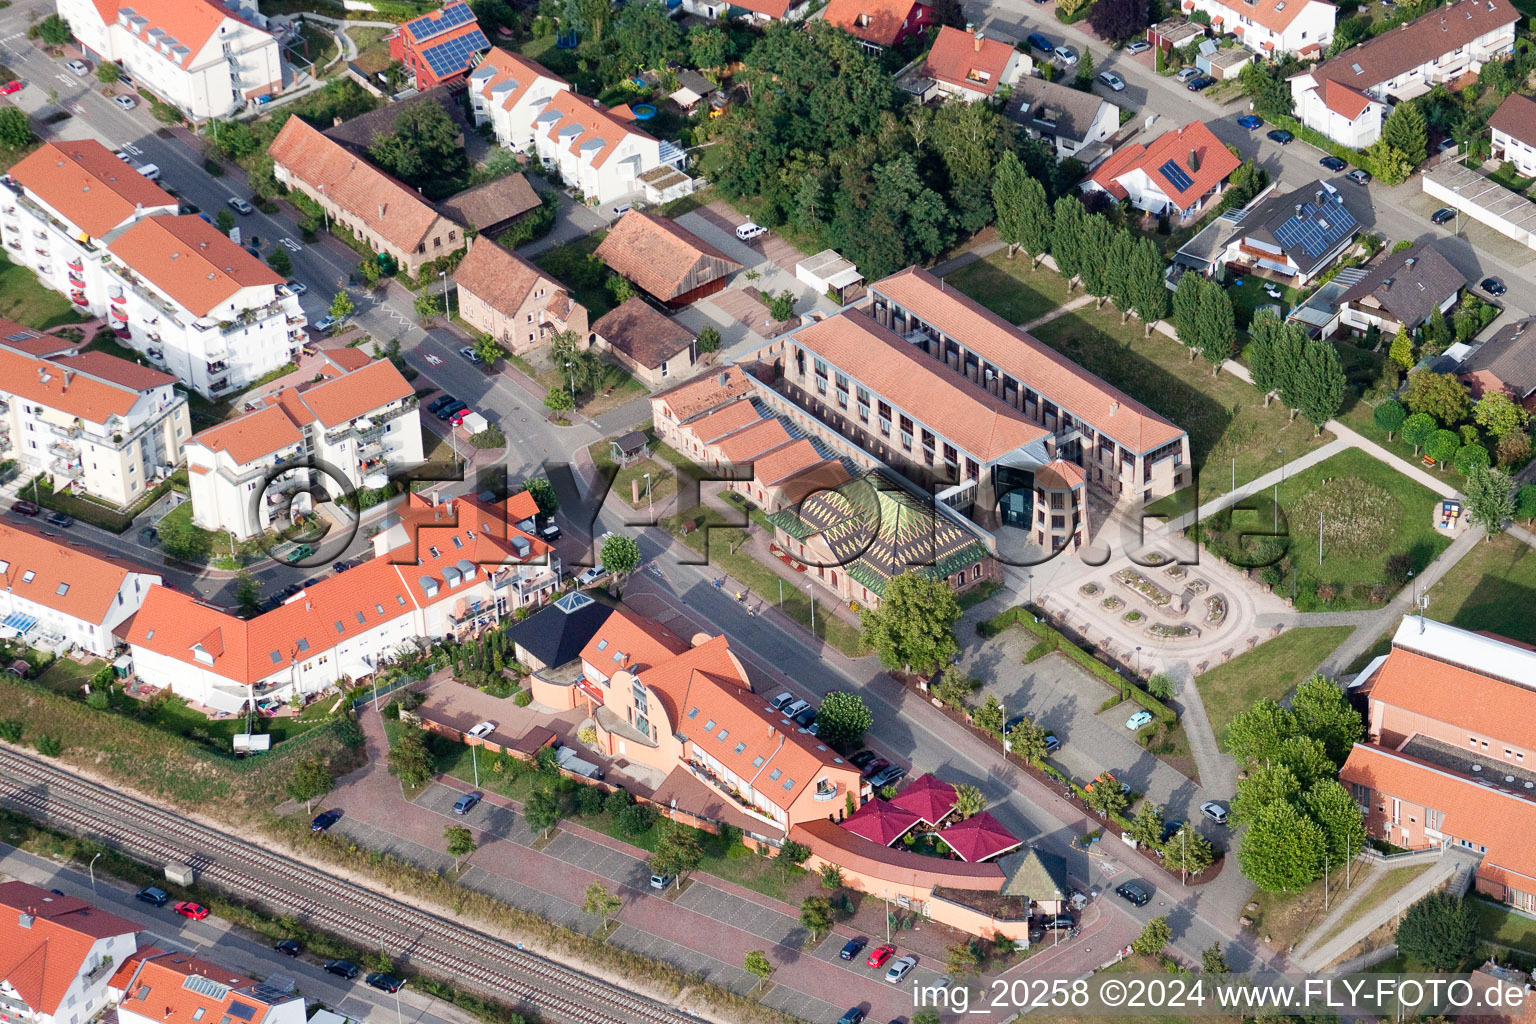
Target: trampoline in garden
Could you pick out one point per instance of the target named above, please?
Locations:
(643, 111)
(567, 40)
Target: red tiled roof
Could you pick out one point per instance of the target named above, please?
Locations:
(597, 123)
(1516, 117)
(979, 837)
(774, 467)
(43, 960)
(958, 56)
(757, 439)
(1036, 365)
(191, 261)
(1456, 696)
(880, 821)
(776, 9)
(1342, 100)
(93, 385)
(501, 278)
(517, 68)
(1275, 15)
(834, 843)
(192, 23)
(662, 257)
(1060, 475)
(929, 797)
(643, 333)
(355, 394)
(1419, 41)
(1215, 160)
(704, 393)
(1501, 821)
(882, 20)
(253, 435)
(633, 643)
(89, 582)
(83, 181)
(712, 427)
(159, 992)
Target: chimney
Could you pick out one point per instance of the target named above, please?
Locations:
(725, 378)
(1114, 407)
(1298, 209)
(1319, 197)
(67, 374)
(1410, 261)
(335, 122)
(978, 41)
(381, 211)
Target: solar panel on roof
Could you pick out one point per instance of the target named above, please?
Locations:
(1313, 233)
(241, 1011)
(449, 57)
(427, 26)
(1176, 175)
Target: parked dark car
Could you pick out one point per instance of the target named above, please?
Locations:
(853, 947)
(854, 1015)
(805, 718)
(24, 508)
(1281, 136)
(1040, 42)
(60, 520)
(1134, 893)
(289, 947)
(1251, 122)
(152, 895)
(1440, 216)
(1494, 286)
(342, 968)
(341, 566)
(447, 411)
(440, 401)
(324, 820)
(1170, 829)
(1333, 163)
(384, 982)
(863, 759)
(1201, 84)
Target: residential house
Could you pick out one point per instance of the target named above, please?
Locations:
(505, 296)
(1295, 235)
(57, 955)
(381, 212)
(1348, 97)
(507, 90)
(664, 259)
(58, 594)
(758, 12)
(880, 24)
(672, 410)
(971, 66)
(928, 382)
(182, 988)
(1272, 28)
(1505, 362)
(319, 440)
(1177, 174)
(492, 208)
(555, 635)
(1075, 123)
(1403, 289)
(1222, 63)
(861, 535)
(1445, 759)
(1513, 128)
(205, 58)
(440, 47)
(87, 420)
(448, 570)
(652, 346)
(173, 287)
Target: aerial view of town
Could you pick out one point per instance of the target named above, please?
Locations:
(767, 511)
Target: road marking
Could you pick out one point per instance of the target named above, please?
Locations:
(129, 147)
(66, 79)
(290, 245)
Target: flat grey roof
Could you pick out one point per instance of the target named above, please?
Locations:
(1485, 193)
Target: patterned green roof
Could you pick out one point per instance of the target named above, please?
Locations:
(877, 530)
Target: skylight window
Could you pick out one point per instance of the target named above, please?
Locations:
(789, 784)
(693, 713)
(277, 657)
(434, 552)
(741, 748)
(757, 762)
(303, 644)
(602, 645)
(774, 775)
(28, 576)
(64, 587)
(709, 726)
(723, 734)
(458, 543)
(339, 627)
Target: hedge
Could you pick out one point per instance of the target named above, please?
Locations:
(1357, 157)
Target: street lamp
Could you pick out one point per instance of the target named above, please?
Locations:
(648, 493)
(1138, 663)
(1029, 578)
(326, 213)
(447, 311)
(91, 867)
(1281, 452)
(570, 372)
(812, 596)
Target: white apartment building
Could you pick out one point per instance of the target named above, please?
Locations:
(597, 149)
(201, 56)
(362, 421)
(102, 425)
(464, 565)
(57, 594)
(57, 955)
(1513, 128)
(1349, 97)
(1271, 28)
(184, 988)
(174, 287)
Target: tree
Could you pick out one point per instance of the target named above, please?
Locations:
(1441, 395)
(621, 289)
(793, 853)
(1435, 332)
(1147, 827)
(558, 400)
(279, 261)
(831, 877)
(643, 38)
(1186, 310)
(757, 963)
(1262, 351)
(1322, 712)
(1282, 851)
(842, 720)
(708, 339)
(968, 801)
(1262, 786)
(962, 959)
(709, 47)
(429, 304)
(1489, 499)
(1070, 225)
(461, 843)
(1104, 796)
(1514, 450)
(108, 73)
(599, 902)
(15, 129)
(1496, 413)
(1389, 416)
(543, 494)
(1470, 455)
(309, 781)
(1189, 852)
(1161, 686)
(991, 716)
(1401, 351)
(1217, 325)
(1010, 185)
(1443, 446)
(1036, 226)
(1418, 429)
(1330, 805)
(410, 761)
(620, 554)
(927, 1015)
(488, 349)
(1154, 938)
(1027, 740)
(1083, 80)
(542, 811)
(1095, 271)
(54, 30)
(341, 306)
(1144, 284)
(1122, 253)
(815, 915)
(913, 629)
(1525, 503)
(1115, 21)
(248, 593)
(1214, 960)
(1407, 131)
(1440, 931)
(1256, 734)
(1319, 383)
(678, 851)
(421, 149)
(224, 221)
(1244, 186)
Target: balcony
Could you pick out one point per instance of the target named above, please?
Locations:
(62, 450)
(825, 792)
(76, 264)
(218, 367)
(78, 298)
(69, 433)
(222, 384)
(69, 470)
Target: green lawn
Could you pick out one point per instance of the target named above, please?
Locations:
(1504, 926)
(1493, 587)
(65, 676)
(1249, 296)
(1383, 886)
(1356, 415)
(1368, 511)
(28, 302)
(1008, 288)
(663, 470)
(574, 266)
(1229, 428)
(1272, 669)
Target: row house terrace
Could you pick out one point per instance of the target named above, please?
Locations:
(58, 955)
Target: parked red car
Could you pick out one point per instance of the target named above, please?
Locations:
(24, 508)
(10, 87)
(880, 955)
(196, 911)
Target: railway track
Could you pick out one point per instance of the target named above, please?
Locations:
(350, 910)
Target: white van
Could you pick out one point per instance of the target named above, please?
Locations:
(749, 231)
(150, 171)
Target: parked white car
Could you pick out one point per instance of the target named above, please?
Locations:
(749, 231)
(482, 730)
